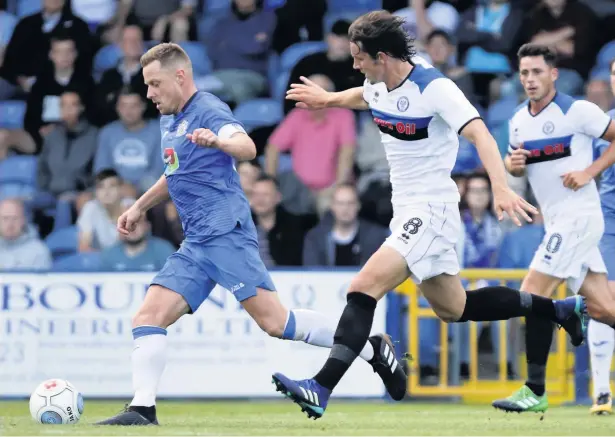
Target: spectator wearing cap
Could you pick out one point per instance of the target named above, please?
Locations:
(335, 63)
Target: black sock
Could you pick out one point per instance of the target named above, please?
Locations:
(538, 337)
(148, 412)
(350, 336)
(503, 303)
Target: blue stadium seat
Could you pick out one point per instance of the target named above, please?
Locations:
(350, 5)
(63, 241)
(501, 111)
(259, 112)
(198, 55)
(28, 7)
(107, 57)
(605, 55)
(298, 51)
(600, 72)
(279, 86)
(19, 170)
(16, 190)
(78, 262)
(12, 113)
(7, 25)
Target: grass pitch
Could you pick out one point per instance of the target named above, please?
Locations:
(341, 418)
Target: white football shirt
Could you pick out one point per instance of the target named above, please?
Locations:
(419, 123)
(560, 138)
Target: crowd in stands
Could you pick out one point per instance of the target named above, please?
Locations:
(79, 141)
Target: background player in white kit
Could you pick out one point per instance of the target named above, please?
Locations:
(420, 114)
(551, 138)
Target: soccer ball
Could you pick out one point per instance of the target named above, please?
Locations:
(56, 402)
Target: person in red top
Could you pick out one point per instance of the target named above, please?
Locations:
(321, 143)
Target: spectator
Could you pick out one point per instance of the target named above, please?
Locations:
(599, 92)
(20, 246)
(423, 16)
(240, 50)
(346, 240)
(97, 222)
(483, 232)
(7, 25)
(492, 33)
(321, 143)
(164, 20)
(249, 172)
(131, 145)
(43, 103)
(65, 164)
(569, 27)
(441, 50)
(296, 17)
(106, 19)
(128, 72)
(138, 251)
(280, 234)
(28, 50)
(335, 63)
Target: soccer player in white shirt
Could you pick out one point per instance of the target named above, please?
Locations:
(420, 114)
(551, 140)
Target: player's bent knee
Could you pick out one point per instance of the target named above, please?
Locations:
(272, 326)
(448, 315)
(367, 285)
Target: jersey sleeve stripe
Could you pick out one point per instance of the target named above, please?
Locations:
(467, 123)
(606, 129)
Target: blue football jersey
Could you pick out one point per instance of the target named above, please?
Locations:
(203, 182)
(607, 185)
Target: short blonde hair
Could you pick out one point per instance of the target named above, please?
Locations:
(166, 54)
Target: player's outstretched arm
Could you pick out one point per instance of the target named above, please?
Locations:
(152, 197)
(309, 95)
(504, 198)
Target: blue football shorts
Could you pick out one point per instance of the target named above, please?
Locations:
(607, 250)
(231, 260)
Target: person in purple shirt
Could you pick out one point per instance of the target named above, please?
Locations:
(200, 141)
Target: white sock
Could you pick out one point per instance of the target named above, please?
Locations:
(601, 339)
(315, 329)
(149, 358)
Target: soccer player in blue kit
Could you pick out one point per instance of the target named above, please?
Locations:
(200, 140)
(601, 337)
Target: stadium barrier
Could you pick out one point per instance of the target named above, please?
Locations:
(560, 372)
(77, 326)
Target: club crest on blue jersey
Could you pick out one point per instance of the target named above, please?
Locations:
(403, 103)
(182, 128)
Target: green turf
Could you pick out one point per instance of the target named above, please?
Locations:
(342, 418)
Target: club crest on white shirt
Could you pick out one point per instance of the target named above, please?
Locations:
(403, 103)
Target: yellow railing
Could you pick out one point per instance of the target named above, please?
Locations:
(560, 386)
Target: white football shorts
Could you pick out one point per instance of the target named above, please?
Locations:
(570, 248)
(425, 235)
